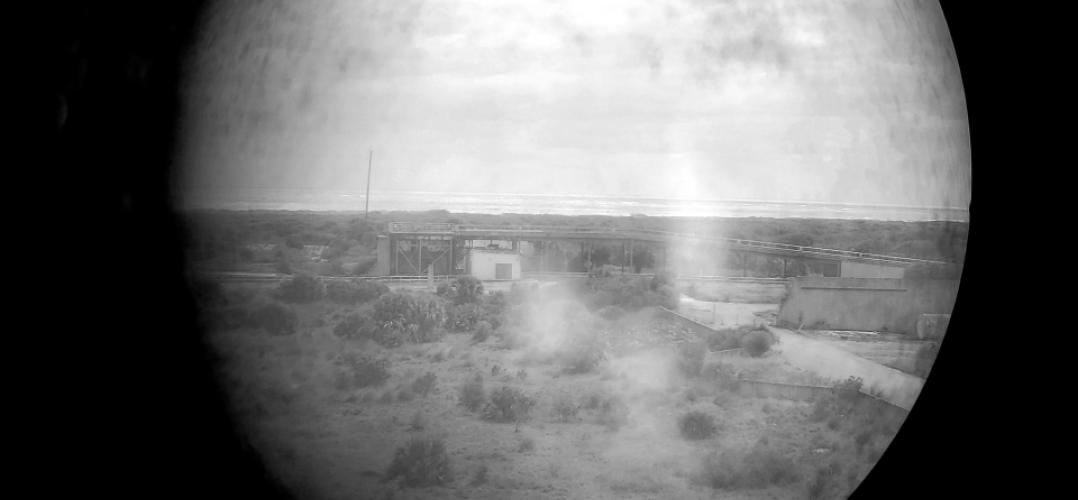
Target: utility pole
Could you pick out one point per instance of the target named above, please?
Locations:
(367, 208)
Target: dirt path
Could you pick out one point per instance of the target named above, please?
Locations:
(833, 362)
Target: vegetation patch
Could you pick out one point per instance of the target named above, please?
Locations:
(472, 395)
(424, 384)
(422, 462)
(275, 319)
(756, 343)
(462, 290)
(408, 318)
(757, 467)
(565, 410)
(613, 413)
(508, 404)
(357, 326)
(355, 291)
(301, 289)
(483, 331)
(690, 359)
(358, 371)
(697, 425)
(583, 354)
(925, 357)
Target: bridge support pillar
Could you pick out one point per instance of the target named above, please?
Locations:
(622, 256)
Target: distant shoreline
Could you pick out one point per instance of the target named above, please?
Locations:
(297, 200)
(383, 213)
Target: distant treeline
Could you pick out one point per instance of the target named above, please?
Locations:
(277, 238)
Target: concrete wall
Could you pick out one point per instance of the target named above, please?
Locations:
(932, 326)
(870, 304)
(851, 269)
(381, 265)
(764, 389)
(696, 327)
(482, 263)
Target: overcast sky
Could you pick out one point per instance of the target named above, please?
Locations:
(857, 101)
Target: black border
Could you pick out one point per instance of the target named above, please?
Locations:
(116, 67)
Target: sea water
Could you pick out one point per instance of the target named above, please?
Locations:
(558, 204)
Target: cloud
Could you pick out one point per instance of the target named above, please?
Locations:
(746, 99)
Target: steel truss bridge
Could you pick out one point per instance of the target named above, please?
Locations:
(444, 245)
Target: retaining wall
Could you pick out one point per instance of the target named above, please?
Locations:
(698, 328)
(871, 304)
(762, 388)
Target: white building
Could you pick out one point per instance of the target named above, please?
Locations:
(494, 264)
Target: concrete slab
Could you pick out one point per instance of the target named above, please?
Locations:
(832, 362)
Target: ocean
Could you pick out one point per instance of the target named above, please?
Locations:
(498, 203)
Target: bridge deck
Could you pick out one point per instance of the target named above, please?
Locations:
(491, 232)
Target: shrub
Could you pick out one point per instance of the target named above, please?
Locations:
(722, 373)
(737, 469)
(612, 313)
(480, 477)
(925, 357)
(356, 326)
(275, 319)
(592, 401)
(355, 292)
(725, 339)
(564, 409)
(303, 288)
(422, 462)
(462, 290)
(520, 293)
(660, 280)
(444, 290)
(463, 317)
(407, 317)
(691, 358)
(508, 404)
(231, 318)
(821, 410)
(613, 413)
(756, 343)
(472, 395)
(208, 293)
(419, 422)
(667, 297)
(423, 385)
(358, 371)
(483, 330)
(583, 354)
(526, 445)
(823, 482)
(848, 391)
(283, 266)
(697, 425)
(862, 438)
(363, 266)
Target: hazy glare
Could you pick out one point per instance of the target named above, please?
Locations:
(856, 102)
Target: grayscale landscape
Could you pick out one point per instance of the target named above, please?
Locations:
(675, 249)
